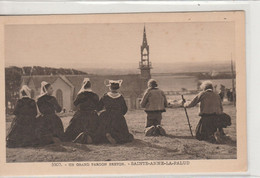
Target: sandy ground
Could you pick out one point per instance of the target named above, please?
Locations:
(177, 145)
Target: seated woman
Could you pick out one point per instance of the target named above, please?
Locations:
(213, 120)
(85, 119)
(22, 128)
(112, 124)
(49, 125)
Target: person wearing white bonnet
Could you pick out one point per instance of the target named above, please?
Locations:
(154, 101)
(25, 91)
(83, 125)
(213, 120)
(49, 125)
(114, 85)
(112, 126)
(44, 87)
(86, 86)
(22, 128)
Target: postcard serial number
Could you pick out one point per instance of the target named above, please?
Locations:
(56, 164)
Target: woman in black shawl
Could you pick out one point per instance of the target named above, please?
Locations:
(49, 125)
(85, 119)
(112, 125)
(22, 128)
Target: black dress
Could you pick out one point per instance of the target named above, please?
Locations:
(22, 128)
(209, 123)
(112, 120)
(85, 119)
(48, 123)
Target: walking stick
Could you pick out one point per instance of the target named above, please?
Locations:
(187, 116)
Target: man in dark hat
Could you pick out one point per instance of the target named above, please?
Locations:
(154, 101)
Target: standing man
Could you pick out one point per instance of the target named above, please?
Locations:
(222, 92)
(154, 101)
(213, 120)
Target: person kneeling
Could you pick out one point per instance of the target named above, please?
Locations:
(154, 101)
(213, 120)
(22, 131)
(82, 127)
(112, 123)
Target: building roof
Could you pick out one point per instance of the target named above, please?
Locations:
(66, 81)
(37, 79)
(130, 86)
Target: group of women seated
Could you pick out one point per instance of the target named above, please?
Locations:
(95, 121)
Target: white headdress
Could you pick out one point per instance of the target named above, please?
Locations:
(25, 92)
(43, 88)
(109, 82)
(85, 81)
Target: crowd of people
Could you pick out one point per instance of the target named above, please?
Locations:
(102, 120)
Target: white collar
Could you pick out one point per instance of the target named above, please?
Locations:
(113, 95)
(41, 95)
(152, 88)
(83, 90)
(209, 90)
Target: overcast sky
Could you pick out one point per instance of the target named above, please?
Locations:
(116, 45)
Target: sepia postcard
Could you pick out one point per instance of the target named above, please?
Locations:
(140, 93)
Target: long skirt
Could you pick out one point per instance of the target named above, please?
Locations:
(49, 126)
(21, 132)
(82, 121)
(114, 123)
(209, 124)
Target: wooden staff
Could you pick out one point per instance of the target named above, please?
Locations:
(233, 82)
(187, 116)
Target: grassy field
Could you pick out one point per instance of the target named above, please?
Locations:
(177, 145)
